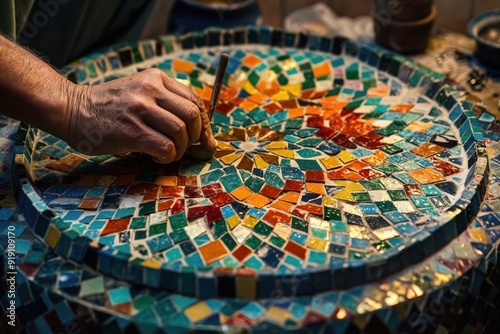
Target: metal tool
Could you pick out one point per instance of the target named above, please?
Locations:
(196, 151)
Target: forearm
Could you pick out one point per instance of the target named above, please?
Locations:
(32, 91)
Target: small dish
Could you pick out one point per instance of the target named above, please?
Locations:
(485, 29)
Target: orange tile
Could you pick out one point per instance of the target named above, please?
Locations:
(378, 91)
(258, 98)
(322, 70)
(427, 149)
(181, 65)
(316, 188)
(166, 180)
(426, 175)
(312, 110)
(274, 217)
(66, 164)
(248, 105)
(296, 112)
(356, 165)
(241, 193)
(251, 60)
(290, 197)
(268, 88)
(404, 108)
(283, 206)
(258, 201)
(213, 251)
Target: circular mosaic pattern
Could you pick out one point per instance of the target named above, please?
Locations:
(326, 167)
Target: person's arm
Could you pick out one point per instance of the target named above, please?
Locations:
(145, 112)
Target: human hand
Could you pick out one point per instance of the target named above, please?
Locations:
(145, 112)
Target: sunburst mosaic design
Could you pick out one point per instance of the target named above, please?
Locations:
(345, 182)
(322, 161)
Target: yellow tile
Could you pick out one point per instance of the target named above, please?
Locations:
(284, 153)
(351, 186)
(151, 263)
(233, 221)
(198, 311)
(166, 180)
(224, 146)
(294, 89)
(246, 288)
(479, 235)
(258, 201)
(52, 236)
(346, 156)
(318, 244)
(241, 193)
(250, 221)
(331, 162)
(276, 144)
(316, 188)
(283, 95)
(250, 88)
(277, 314)
(230, 158)
(345, 195)
(259, 162)
(328, 201)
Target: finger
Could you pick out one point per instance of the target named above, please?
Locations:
(207, 139)
(157, 145)
(185, 110)
(176, 87)
(169, 124)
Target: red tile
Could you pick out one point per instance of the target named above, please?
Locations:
(179, 206)
(270, 191)
(115, 225)
(274, 217)
(315, 176)
(224, 108)
(222, 199)
(315, 121)
(151, 194)
(141, 188)
(325, 132)
(445, 167)
(171, 191)
(198, 211)
(241, 253)
(295, 249)
(344, 141)
(214, 214)
(311, 208)
(370, 174)
(292, 185)
(413, 189)
(212, 189)
(273, 107)
(193, 192)
(165, 205)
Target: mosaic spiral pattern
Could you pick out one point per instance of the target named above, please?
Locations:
(344, 176)
(322, 162)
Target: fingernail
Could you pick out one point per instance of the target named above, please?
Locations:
(213, 143)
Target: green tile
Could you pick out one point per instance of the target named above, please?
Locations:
(253, 242)
(262, 228)
(228, 241)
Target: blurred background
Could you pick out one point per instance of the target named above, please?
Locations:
(451, 14)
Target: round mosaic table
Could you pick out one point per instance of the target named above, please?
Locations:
(351, 190)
